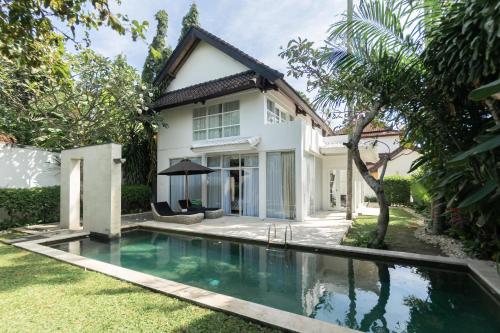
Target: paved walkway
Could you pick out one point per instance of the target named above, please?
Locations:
(325, 228)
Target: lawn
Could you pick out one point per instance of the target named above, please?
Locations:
(400, 234)
(39, 294)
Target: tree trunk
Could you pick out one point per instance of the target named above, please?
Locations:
(152, 147)
(437, 210)
(348, 201)
(375, 185)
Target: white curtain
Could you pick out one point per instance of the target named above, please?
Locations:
(213, 189)
(274, 190)
(250, 191)
(280, 189)
(226, 193)
(288, 179)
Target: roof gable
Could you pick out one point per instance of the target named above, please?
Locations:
(189, 43)
(205, 63)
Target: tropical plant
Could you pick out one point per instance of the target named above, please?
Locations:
(159, 51)
(191, 19)
(101, 102)
(370, 62)
(33, 32)
(460, 138)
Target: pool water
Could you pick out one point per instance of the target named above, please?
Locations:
(369, 296)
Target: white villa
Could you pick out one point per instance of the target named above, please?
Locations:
(274, 156)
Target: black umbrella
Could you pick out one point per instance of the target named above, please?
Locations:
(186, 168)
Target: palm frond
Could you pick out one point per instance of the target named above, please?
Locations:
(393, 24)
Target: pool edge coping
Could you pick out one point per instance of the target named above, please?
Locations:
(258, 313)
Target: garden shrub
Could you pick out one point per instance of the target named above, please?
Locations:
(29, 206)
(135, 198)
(420, 195)
(397, 190)
(23, 206)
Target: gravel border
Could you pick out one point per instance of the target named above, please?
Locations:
(449, 246)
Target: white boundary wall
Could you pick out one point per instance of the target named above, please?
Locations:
(26, 167)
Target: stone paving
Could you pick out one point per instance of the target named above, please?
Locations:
(323, 229)
(327, 228)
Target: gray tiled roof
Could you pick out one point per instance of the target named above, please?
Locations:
(206, 90)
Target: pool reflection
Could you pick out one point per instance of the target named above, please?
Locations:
(365, 295)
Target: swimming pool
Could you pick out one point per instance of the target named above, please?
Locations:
(370, 296)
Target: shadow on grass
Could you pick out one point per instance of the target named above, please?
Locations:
(223, 323)
(20, 269)
(400, 233)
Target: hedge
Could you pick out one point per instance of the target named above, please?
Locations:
(29, 206)
(397, 190)
(135, 198)
(20, 207)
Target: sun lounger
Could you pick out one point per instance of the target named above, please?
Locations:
(163, 213)
(210, 213)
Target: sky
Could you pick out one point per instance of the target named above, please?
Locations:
(257, 27)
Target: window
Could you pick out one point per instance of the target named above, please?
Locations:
(216, 121)
(275, 114)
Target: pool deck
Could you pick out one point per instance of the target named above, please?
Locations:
(323, 229)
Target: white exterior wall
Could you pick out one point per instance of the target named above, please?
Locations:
(401, 165)
(205, 63)
(26, 167)
(176, 140)
(339, 162)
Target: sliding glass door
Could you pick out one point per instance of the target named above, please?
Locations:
(250, 185)
(231, 192)
(280, 190)
(235, 184)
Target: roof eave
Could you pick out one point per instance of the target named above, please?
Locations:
(158, 108)
(291, 93)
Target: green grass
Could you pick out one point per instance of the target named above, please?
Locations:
(400, 234)
(39, 294)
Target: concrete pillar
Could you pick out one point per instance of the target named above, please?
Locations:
(102, 176)
(262, 185)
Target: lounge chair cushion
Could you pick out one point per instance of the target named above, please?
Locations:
(183, 218)
(187, 204)
(163, 208)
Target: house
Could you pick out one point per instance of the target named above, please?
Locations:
(274, 156)
(378, 143)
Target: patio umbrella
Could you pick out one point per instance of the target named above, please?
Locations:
(186, 168)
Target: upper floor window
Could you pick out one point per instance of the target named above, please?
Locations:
(275, 114)
(216, 121)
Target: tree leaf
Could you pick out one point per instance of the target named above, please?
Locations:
(487, 188)
(485, 146)
(485, 91)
